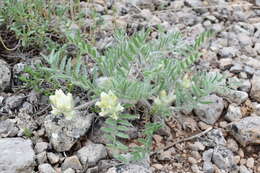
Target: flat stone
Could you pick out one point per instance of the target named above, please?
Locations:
(233, 113)
(5, 75)
(255, 90)
(129, 168)
(246, 131)
(64, 133)
(91, 153)
(53, 158)
(41, 157)
(243, 169)
(17, 155)
(245, 85)
(7, 128)
(235, 96)
(71, 162)
(208, 167)
(69, 170)
(46, 168)
(228, 52)
(14, 101)
(250, 162)
(257, 2)
(210, 113)
(41, 146)
(223, 158)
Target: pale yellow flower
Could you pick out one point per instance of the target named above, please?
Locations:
(164, 98)
(109, 105)
(62, 104)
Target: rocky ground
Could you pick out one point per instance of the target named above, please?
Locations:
(224, 135)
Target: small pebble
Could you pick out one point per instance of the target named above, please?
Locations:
(192, 160)
(250, 162)
(242, 161)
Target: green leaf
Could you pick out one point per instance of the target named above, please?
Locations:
(111, 122)
(124, 122)
(122, 128)
(108, 130)
(121, 146)
(129, 116)
(122, 135)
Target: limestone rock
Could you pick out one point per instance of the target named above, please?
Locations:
(210, 113)
(246, 131)
(64, 133)
(92, 153)
(130, 168)
(17, 155)
(255, 91)
(5, 75)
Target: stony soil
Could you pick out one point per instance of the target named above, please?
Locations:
(221, 137)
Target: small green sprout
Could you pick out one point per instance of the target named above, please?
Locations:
(62, 104)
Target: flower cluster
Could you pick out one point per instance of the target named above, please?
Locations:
(62, 104)
(164, 99)
(109, 105)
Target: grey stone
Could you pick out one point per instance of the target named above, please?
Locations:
(210, 113)
(225, 63)
(41, 146)
(234, 96)
(245, 85)
(91, 153)
(64, 133)
(93, 170)
(246, 131)
(27, 108)
(250, 162)
(243, 169)
(255, 90)
(129, 168)
(69, 170)
(215, 137)
(233, 113)
(223, 158)
(244, 40)
(252, 62)
(257, 2)
(14, 101)
(5, 75)
(53, 158)
(194, 4)
(17, 155)
(249, 70)
(46, 168)
(71, 162)
(197, 146)
(7, 128)
(232, 145)
(207, 155)
(41, 158)
(208, 167)
(257, 48)
(104, 165)
(236, 68)
(228, 52)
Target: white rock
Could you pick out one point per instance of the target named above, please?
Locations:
(5, 75)
(210, 113)
(17, 155)
(92, 153)
(255, 90)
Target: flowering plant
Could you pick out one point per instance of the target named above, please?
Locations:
(62, 104)
(109, 105)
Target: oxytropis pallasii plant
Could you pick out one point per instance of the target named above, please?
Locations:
(154, 73)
